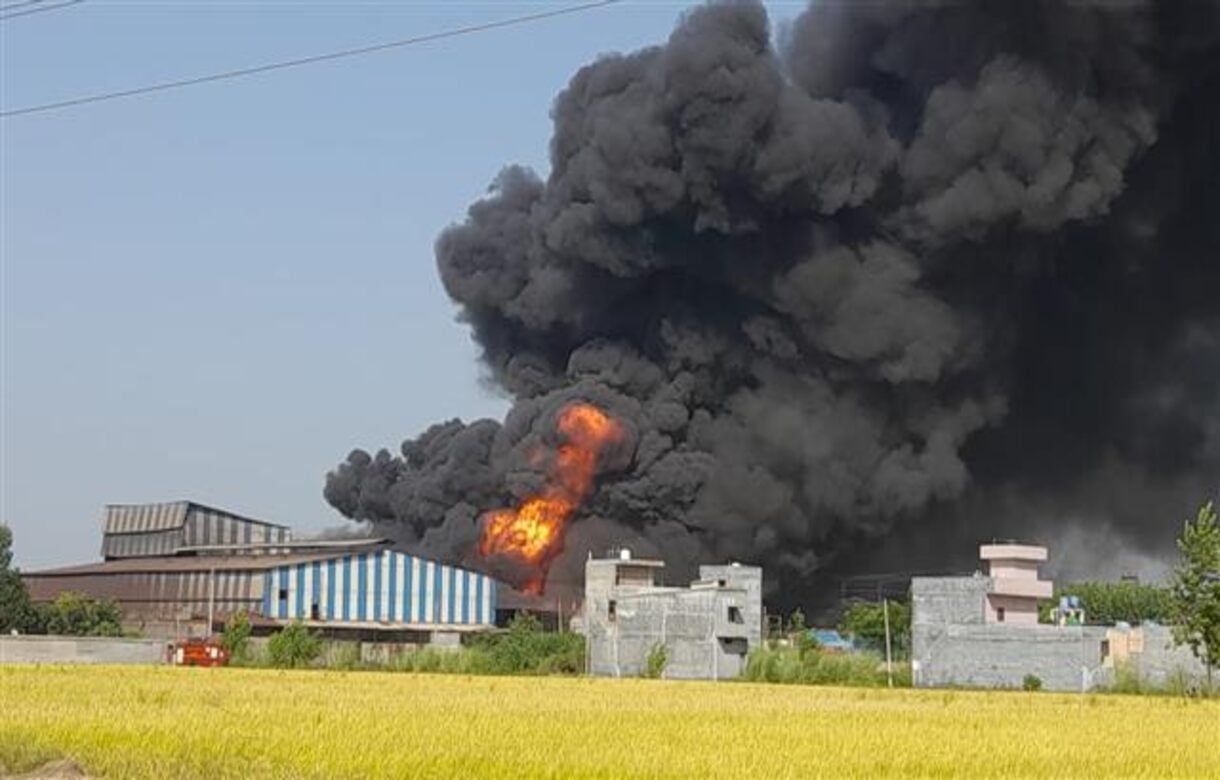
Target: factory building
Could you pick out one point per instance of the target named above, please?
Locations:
(707, 628)
(184, 567)
(378, 586)
(144, 530)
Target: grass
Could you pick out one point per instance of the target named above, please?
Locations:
(135, 722)
(789, 665)
(523, 649)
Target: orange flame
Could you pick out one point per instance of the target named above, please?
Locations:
(532, 532)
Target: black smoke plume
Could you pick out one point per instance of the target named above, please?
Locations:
(901, 278)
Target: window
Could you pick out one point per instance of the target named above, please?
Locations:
(633, 576)
(735, 615)
(283, 594)
(999, 614)
(612, 609)
(314, 612)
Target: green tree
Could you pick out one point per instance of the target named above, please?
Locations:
(1106, 603)
(1196, 588)
(865, 622)
(74, 614)
(800, 633)
(16, 611)
(294, 646)
(526, 649)
(236, 635)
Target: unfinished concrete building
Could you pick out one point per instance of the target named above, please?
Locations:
(982, 630)
(707, 628)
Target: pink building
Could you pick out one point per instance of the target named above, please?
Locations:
(1015, 587)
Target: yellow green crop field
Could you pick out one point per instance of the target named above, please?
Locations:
(133, 722)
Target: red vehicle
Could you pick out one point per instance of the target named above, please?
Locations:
(198, 652)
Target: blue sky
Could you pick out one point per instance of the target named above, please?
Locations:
(215, 293)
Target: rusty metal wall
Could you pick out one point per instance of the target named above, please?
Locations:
(205, 526)
(136, 518)
(153, 530)
(159, 594)
(143, 544)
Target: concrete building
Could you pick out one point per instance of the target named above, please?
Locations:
(183, 568)
(707, 628)
(1015, 589)
(982, 630)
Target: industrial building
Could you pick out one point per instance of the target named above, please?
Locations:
(707, 629)
(982, 630)
(183, 567)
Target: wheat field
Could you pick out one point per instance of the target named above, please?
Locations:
(131, 722)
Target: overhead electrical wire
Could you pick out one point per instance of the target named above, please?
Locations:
(21, 4)
(310, 60)
(38, 8)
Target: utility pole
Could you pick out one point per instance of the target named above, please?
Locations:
(664, 630)
(618, 672)
(889, 660)
(211, 598)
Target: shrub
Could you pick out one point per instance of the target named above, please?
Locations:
(786, 665)
(523, 649)
(236, 636)
(431, 659)
(74, 614)
(1127, 679)
(800, 634)
(343, 655)
(1032, 682)
(526, 649)
(865, 623)
(16, 611)
(654, 663)
(293, 647)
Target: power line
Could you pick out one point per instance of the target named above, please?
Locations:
(37, 9)
(335, 55)
(22, 4)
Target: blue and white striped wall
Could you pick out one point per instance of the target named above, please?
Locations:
(380, 587)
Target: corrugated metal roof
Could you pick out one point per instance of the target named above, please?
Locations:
(338, 545)
(139, 518)
(183, 563)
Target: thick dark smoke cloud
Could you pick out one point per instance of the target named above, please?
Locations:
(916, 275)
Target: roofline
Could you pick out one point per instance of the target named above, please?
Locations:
(190, 503)
(321, 544)
(153, 564)
(666, 590)
(366, 625)
(1013, 551)
(197, 563)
